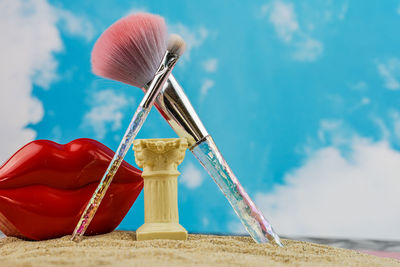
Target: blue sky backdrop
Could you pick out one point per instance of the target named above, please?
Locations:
(302, 97)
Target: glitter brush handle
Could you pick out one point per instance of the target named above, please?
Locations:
(256, 225)
(176, 108)
(168, 62)
(94, 202)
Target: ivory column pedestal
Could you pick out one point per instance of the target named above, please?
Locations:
(159, 159)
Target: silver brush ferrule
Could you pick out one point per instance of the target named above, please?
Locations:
(167, 64)
(177, 110)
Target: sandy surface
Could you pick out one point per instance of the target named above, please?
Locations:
(120, 249)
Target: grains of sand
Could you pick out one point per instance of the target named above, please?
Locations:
(120, 248)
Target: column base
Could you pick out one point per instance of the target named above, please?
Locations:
(149, 231)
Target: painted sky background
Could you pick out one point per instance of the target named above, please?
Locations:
(302, 98)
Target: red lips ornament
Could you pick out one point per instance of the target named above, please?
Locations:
(45, 186)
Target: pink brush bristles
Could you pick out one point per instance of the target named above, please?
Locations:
(130, 50)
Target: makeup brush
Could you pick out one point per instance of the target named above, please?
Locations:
(126, 49)
(177, 110)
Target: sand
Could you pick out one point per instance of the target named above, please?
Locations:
(119, 248)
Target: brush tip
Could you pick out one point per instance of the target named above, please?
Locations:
(176, 44)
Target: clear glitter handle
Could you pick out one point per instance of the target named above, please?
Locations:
(256, 225)
(164, 70)
(91, 208)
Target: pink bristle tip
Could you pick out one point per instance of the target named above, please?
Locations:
(131, 49)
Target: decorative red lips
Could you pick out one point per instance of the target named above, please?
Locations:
(45, 186)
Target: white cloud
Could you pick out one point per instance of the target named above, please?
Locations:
(75, 25)
(191, 176)
(390, 128)
(331, 132)
(308, 50)
(210, 65)
(283, 18)
(343, 11)
(329, 125)
(205, 221)
(359, 86)
(396, 125)
(365, 101)
(29, 39)
(193, 37)
(205, 87)
(106, 112)
(331, 195)
(56, 133)
(390, 73)
(136, 10)
(385, 132)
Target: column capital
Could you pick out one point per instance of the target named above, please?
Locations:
(159, 154)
